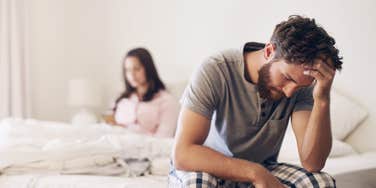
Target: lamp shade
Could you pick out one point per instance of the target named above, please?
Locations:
(83, 93)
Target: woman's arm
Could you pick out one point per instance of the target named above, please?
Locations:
(169, 113)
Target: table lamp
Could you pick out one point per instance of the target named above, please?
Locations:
(84, 96)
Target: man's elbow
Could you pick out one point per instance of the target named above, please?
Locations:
(179, 159)
(313, 166)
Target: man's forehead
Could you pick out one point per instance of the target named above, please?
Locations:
(296, 73)
(305, 80)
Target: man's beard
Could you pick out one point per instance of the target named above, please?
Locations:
(263, 87)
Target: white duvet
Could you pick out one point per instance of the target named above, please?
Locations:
(37, 153)
(50, 147)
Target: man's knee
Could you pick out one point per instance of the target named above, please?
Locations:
(316, 180)
(199, 179)
(195, 179)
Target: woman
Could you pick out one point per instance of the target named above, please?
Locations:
(145, 106)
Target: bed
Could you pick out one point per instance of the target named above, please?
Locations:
(80, 181)
(53, 154)
(27, 146)
(20, 145)
(365, 178)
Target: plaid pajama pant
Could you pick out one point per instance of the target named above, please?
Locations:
(289, 175)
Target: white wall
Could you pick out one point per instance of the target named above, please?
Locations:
(87, 38)
(207, 26)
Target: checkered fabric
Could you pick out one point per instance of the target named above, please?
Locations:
(290, 175)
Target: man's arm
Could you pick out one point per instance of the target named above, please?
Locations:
(313, 135)
(312, 128)
(190, 155)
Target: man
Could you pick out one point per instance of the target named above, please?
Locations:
(238, 104)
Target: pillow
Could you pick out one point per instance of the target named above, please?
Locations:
(340, 148)
(346, 115)
(176, 88)
(289, 148)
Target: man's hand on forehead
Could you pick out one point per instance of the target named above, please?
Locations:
(323, 73)
(319, 70)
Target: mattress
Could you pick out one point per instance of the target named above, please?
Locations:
(360, 178)
(20, 135)
(61, 155)
(348, 171)
(348, 163)
(80, 181)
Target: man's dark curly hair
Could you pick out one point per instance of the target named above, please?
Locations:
(300, 40)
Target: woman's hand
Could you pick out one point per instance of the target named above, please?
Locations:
(109, 119)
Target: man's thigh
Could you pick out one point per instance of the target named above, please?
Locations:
(185, 179)
(290, 175)
(294, 176)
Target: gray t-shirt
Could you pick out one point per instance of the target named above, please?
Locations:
(243, 125)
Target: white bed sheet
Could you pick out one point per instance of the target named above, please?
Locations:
(349, 163)
(81, 181)
(21, 144)
(333, 166)
(30, 145)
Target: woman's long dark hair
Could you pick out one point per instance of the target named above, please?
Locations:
(154, 82)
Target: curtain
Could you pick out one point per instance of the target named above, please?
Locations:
(14, 82)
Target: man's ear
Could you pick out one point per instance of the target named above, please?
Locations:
(269, 51)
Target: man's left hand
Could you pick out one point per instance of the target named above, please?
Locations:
(324, 75)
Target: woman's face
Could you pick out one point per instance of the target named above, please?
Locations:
(135, 72)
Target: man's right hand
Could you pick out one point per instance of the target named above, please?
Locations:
(189, 154)
(264, 179)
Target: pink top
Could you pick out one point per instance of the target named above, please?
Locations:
(157, 117)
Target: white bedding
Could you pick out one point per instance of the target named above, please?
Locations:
(343, 158)
(348, 163)
(49, 147)
(81, 181)
(351, 163)
(52, 144)
(333, 166)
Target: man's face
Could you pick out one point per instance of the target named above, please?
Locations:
(279, 79)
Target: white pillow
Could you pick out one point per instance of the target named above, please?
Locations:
(346, 115)
(176, 88)
(289, 148)
(340, 148)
